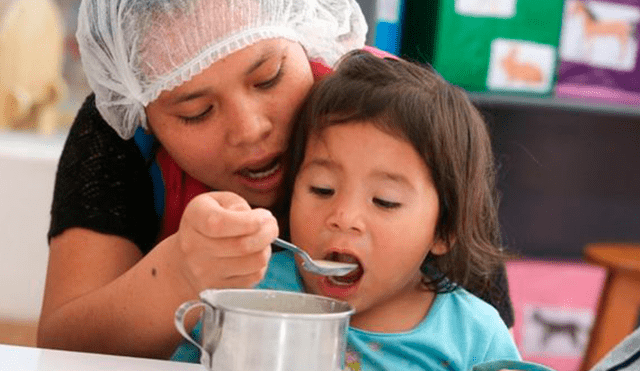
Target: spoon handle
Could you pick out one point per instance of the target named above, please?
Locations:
(287, 245)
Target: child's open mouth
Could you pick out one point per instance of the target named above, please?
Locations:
(348, 279)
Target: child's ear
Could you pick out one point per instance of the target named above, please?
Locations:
(439, 247)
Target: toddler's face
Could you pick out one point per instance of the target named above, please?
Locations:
(367, 197)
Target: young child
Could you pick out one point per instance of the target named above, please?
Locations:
(394, 172)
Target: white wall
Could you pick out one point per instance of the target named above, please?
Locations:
(27, 172)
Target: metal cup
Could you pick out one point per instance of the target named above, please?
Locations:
(247, 329)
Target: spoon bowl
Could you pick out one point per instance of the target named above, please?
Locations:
(322, 267)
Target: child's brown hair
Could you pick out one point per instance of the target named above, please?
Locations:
(413, 102)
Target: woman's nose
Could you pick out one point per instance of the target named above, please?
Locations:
(250, 124)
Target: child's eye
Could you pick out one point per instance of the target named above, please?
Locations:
(271, 82)
(386, 204)
(197, 118)
(324, 192)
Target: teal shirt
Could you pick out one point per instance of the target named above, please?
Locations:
(459, 332)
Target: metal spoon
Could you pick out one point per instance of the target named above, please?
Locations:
(323, 267)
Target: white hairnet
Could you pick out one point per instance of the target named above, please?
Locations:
(131, 50)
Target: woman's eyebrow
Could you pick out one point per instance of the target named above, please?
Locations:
(264, 57)
(190, 96)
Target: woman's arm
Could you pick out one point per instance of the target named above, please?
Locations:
(102, 295)
(108, 289)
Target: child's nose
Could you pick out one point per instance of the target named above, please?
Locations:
(348, 216)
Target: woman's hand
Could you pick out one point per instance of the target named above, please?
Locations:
(225, 243)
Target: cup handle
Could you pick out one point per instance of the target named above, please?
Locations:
(181, 312)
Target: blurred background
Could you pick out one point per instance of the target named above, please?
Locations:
(561, 101)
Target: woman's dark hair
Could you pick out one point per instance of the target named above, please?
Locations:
(413, 102)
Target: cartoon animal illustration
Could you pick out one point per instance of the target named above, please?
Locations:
(31, 57)
(516, 71)
(593, 27)
(552, 328)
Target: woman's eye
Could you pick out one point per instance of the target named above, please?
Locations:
(197, 118)
(324, 192)
(386, 204)
(271, 82)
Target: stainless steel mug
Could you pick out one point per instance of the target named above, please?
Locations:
(248, 329)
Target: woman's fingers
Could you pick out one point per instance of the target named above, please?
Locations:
(225, 214)
(246, 271)
(205, 264)
(229, 200)
(224, 242)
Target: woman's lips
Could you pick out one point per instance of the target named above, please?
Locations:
(262, 172)
(263, 178)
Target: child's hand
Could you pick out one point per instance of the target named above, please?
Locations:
(225, 243)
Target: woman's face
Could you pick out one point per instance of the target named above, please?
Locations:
(364, 196)
(229, 126)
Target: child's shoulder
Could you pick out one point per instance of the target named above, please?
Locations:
(487, 334)
(461, 303)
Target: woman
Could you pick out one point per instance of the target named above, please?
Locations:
(198, 95)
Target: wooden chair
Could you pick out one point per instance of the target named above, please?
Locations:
(619, 303)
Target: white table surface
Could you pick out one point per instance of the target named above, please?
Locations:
(19, 358)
